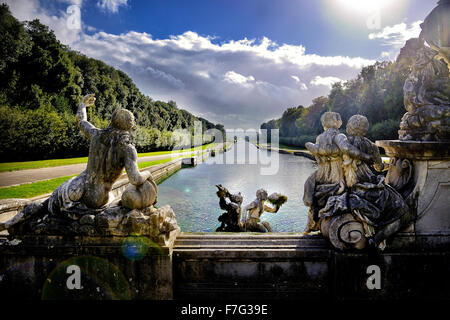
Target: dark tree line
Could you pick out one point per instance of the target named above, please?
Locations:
(377, 93)
(41, 84)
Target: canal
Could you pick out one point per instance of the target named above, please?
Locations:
(192, 192)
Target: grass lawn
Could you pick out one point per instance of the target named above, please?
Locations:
(31, 190)
(13, 166)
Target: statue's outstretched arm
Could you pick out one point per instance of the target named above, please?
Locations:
(346, 147)
(85, 126)
(134, 175)
(270, 209)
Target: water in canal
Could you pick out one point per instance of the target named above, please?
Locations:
(192, 193)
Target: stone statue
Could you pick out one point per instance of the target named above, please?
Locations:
(328, 180)
(427, 88)
(73, 208)
(380, 208)
(252, 212)
(230, 220)
(419, 160)
(352, 206)
(435, 30)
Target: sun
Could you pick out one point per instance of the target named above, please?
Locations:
(364, 6)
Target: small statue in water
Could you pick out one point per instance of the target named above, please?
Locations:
(253, 211)
(230, 220)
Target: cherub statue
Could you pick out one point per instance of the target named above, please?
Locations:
(230, 220)
(253, 211)
(111, 151)
(328, 180)
(376, 204)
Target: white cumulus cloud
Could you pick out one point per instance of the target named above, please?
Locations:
(240, 83)
(234, 77)
(111, 5)
(397, 34)
(324, 81)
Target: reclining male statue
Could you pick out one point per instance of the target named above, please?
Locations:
(110, 151)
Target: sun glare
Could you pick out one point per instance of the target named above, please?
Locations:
(364, 6)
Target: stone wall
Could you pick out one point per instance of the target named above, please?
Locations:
(218, 266)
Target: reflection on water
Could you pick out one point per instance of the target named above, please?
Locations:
(192, 192)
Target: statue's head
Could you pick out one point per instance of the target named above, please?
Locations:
(261, 194)
(331, 120)
(123, 119)
(237, 198)
(357, 125)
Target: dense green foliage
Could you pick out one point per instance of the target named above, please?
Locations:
(41, 84)
(376, 93)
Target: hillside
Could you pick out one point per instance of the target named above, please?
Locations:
(377, 93)
(41, 84)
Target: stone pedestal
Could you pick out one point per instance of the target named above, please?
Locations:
(80, 268)
(429, 184)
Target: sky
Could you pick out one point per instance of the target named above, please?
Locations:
(235, 62)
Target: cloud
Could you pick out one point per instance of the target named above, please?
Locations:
(397, 35)
(111, 5)
(234, 77)
(240, 83)
(301, 84)
(324, 81)
(60, 22)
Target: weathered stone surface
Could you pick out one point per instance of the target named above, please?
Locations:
(349, 204)
(112, 268)
(87, 219)
(84, 205)
(291, 267)
(428, 182)
(415, 150)
(141, 196)
(158, 224)
(427, 89)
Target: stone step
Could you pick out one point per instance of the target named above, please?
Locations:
(247, 242)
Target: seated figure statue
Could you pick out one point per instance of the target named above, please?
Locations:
(253, 211)
(376, 204)
(328, 180)
(111, 151)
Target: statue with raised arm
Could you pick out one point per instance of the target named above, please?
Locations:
(79, 200)
(230, 220)
(252, 212)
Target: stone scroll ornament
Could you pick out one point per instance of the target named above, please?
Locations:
(427, 88)
(348, 203)
(84, 205)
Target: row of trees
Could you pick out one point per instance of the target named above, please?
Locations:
(376, 93)
(41, 84)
